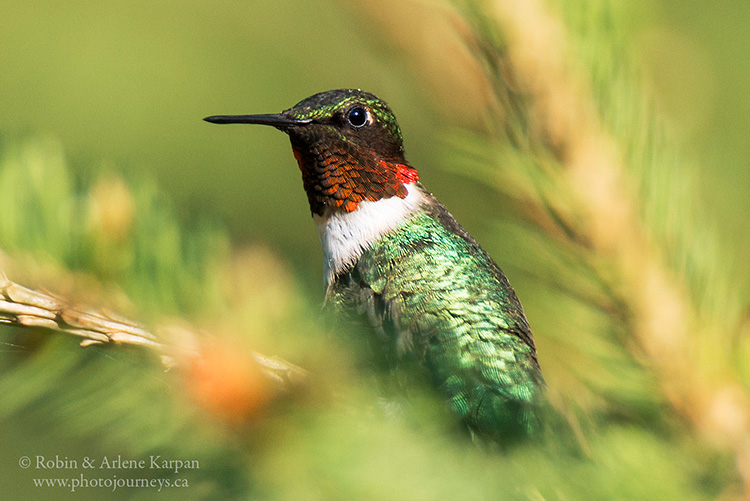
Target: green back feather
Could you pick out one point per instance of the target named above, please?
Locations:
(438, 298)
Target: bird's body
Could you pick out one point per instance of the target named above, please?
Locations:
(395, 254)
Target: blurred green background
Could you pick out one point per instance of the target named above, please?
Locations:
(120, 88)
(128, 82)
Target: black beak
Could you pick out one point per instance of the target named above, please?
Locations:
(276, 120)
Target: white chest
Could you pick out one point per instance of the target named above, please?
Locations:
(344, 236)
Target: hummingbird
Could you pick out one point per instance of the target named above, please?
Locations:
(394, 255)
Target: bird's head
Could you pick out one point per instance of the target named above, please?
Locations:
(348, 146)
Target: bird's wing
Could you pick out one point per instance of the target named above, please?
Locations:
(435, 296)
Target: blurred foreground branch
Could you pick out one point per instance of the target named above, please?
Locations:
(598, 159)
(24, 307)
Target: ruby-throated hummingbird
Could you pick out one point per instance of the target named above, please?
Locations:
(393, 252)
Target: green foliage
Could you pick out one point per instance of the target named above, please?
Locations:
(589, 302)
(126, 234)
(61, 400)
(615, 433)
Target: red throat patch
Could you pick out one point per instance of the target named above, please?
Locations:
(336, 179)
(406, 173)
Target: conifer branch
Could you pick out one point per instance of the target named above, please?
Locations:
(565, 127)
(24, 307)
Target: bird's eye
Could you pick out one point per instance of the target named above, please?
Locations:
(357, 116)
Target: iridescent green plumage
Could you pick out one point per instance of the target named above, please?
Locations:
(436, 296)
(394, 253)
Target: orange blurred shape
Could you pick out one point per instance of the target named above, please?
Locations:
(228, 383)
